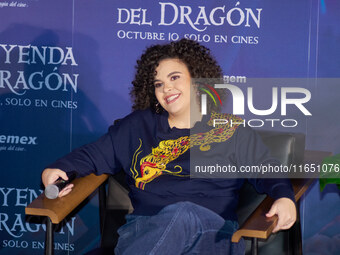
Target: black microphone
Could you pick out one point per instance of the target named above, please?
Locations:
(52, 190)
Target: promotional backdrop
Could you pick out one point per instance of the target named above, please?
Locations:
(66, 68)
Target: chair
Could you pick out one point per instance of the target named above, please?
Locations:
(288, 147)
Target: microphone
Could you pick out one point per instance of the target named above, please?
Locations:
(52, 190)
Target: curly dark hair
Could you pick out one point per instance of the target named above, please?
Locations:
(196, 57)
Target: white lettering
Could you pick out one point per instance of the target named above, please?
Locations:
(296, 101)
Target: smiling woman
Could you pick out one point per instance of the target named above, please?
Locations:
(192, 56)
(172, 90)
(175, 213)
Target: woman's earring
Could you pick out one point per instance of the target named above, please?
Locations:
(158, 110)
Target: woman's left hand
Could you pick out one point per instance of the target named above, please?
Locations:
(285, 209)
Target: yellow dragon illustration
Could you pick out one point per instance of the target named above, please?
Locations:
(154, 164)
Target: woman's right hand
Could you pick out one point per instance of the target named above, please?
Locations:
(50, 175)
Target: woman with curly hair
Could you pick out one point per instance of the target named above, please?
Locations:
(196, 57)
(173, 213)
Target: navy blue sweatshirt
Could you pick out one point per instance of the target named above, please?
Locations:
(156, 160)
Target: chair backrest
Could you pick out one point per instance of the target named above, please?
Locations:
(288, 148)
(118, 191)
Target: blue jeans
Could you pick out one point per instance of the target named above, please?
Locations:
(181, 228)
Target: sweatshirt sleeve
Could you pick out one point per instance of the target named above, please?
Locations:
(250, 150)
(98, 157)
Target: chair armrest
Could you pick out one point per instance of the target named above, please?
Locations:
(57, 209)
(258, 225)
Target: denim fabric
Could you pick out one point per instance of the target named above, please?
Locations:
(181, 228)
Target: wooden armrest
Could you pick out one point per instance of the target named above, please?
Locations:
(57, 209)
(258, 225)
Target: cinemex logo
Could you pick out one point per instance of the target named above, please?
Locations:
(14, 139)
